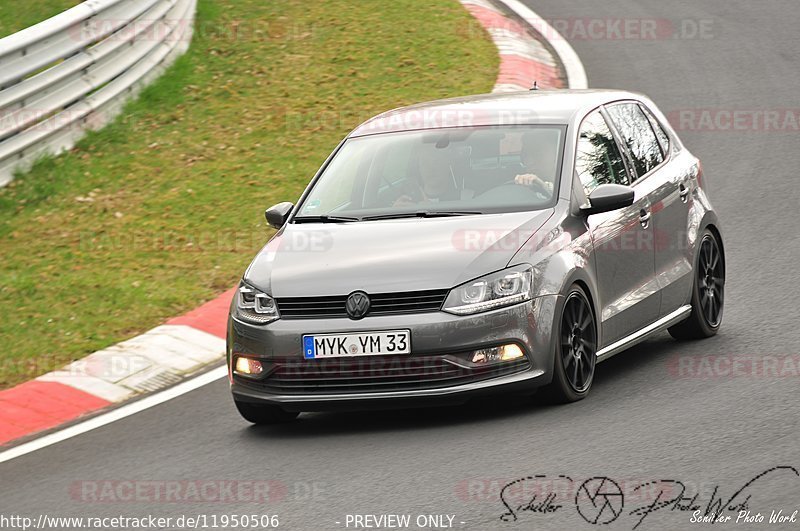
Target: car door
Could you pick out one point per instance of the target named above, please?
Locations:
(673, 254)
(666, 183)
(624, 260)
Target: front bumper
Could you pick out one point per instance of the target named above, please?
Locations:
(435, 336)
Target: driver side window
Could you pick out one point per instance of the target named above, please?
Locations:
(598, 159)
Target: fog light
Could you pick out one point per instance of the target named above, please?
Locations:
(248, 366)
(502, 353)
(511, 352)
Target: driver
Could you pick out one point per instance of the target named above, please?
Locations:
(538, 157)
(436, 181)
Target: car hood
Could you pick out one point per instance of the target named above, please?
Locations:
(315, 259)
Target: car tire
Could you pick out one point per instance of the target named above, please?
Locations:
(264, 414)
(575, 349)
(708, 292)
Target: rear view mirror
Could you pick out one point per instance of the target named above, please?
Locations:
(278, 214)
(608, 197)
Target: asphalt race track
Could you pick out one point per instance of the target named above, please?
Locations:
(656, 412)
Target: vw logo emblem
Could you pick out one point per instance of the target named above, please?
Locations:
(357, 305)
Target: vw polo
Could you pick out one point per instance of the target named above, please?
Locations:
(495, 243)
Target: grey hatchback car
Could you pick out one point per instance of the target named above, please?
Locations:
(468, 246)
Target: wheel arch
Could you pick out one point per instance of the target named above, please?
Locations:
(718, 235)
(583, 279)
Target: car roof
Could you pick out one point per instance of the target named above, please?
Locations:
(510, 108)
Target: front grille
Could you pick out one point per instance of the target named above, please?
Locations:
(380, 304)
(375, 373)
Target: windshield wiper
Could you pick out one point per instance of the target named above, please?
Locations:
(421, 214)
(324, 218)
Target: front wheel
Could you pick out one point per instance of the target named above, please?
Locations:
(264, 414)
(708, 292)
(576, 351)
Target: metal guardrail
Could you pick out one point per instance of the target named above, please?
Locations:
(75, 71)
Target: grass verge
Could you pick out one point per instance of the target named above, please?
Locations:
(163, 209)
(15, 16)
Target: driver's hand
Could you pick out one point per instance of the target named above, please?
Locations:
(404, 200)
(528, 179)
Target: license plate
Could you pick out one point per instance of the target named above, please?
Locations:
(357, 344)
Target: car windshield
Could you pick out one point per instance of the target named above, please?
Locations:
(471, 170)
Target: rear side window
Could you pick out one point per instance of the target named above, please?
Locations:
(638, 135)
(663, 138)
(598, 159)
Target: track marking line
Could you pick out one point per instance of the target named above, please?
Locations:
(115, 414)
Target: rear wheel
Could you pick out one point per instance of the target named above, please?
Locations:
(708, 292)
(576, 351)
(264, 414)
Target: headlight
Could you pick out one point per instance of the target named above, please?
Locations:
(253, 306)
(510, 286)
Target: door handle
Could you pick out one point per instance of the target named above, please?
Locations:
(644, 218)
(684, 192)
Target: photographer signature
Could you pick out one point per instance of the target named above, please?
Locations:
(600, 500)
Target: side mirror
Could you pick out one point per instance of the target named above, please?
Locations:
(608, 197)
(277, 214)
